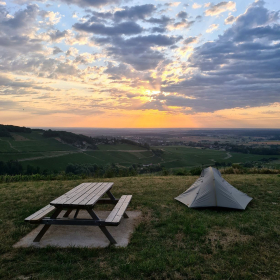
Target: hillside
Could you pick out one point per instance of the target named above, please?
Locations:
(52, 151)
(47, 151)
(171, 242)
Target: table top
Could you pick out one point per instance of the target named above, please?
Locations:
(84, 195)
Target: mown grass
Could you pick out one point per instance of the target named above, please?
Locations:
(171, 242)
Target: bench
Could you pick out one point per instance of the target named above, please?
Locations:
(40, 214)
(119, 210)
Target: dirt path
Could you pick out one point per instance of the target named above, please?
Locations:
(50, 156)
(228, 156)
(82, 152)
(128, 151)
(10, 145)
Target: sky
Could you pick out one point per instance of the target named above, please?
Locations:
(140, 64)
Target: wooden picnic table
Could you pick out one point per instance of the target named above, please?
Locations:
(82, 197)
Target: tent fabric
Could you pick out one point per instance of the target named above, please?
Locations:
(212, 190)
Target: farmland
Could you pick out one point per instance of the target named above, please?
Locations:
(179, 156)
(52, 154)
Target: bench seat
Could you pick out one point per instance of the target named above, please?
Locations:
(118, 211)
(40, 214)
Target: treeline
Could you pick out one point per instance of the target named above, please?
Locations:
(6, 129)
(99, 171)
(91, 170)
(110, 172)
(71, 138)
(274, 150)
(13, 167)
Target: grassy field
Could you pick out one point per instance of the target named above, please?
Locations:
(94, 157)
(188, 157)
(171, 242)
(46, 153)
(119, 147)
(33, 142)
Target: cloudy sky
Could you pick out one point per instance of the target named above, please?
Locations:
(126, 63)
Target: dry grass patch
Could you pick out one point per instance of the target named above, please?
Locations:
(222, 238)
(18, 137)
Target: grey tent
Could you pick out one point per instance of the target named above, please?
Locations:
(211, 190)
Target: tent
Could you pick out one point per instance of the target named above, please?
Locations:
(211, 190)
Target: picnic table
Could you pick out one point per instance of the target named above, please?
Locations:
(83, 197)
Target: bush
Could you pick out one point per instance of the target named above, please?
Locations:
(196, 171)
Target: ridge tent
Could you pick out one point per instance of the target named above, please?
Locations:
(212, 190)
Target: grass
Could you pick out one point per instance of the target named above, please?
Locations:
(120, 147)
(34, 142)
(171, 242)
(19, 156)
(34, 145)
(188, 157)
(5, 146)
(98, 157)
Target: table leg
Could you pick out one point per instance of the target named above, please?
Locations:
(76, 214)
(93, 215)
(103, 228)
(125, 215)
(108, 234)
(110, 195)
(67, 213)
(46, 227)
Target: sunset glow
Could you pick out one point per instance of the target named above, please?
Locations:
(123, 64)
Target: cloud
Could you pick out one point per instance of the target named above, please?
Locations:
(164, 20)
(239, 69)
(127, 28)
(158, 29)
(51, 17)
(56, 50)
(57, 35)
(22, 21)
(90, 3)
(10, 85)
(183, 24)
(72, 52)
(190, 40)
(135, 12)
(230, 19)
(182, 15)
(212, 27)
(139, 52)
(220, 8)
(196, 6)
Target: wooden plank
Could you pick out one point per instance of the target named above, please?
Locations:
(92, 192)
(68, 194)
(117, 213)
(87, 194)
(122, 209)
(79, 193)
(116, 208)
(40, 213)
(72, 194)
(101, 191)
